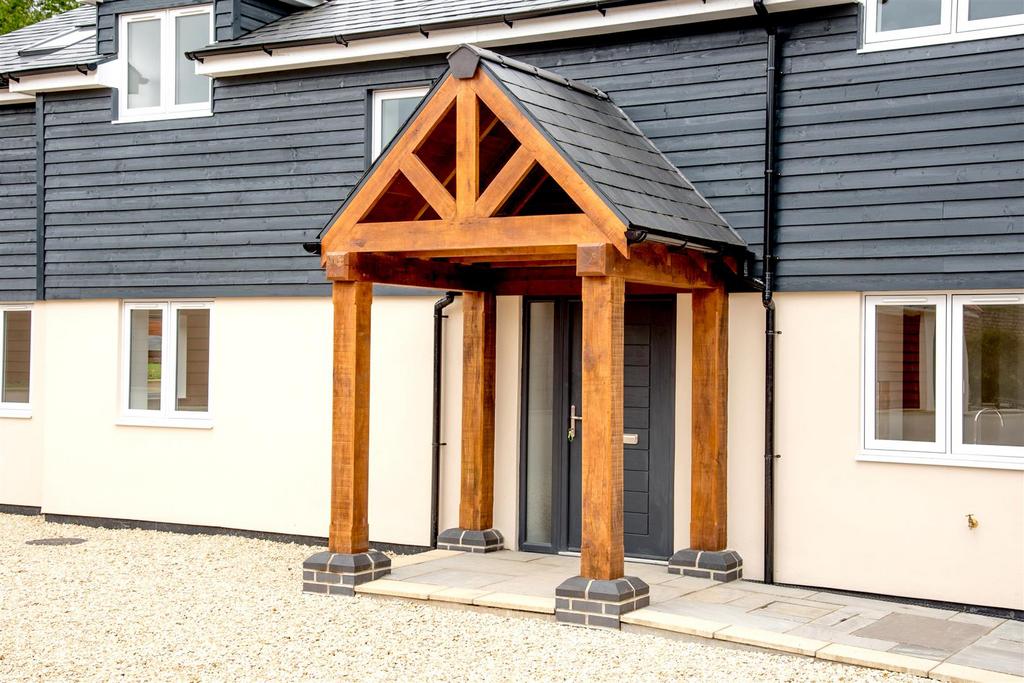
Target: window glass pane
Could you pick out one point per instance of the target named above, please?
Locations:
(899, 14)
(393, 114)
(540, 422)
(17, 330)
(145, 362)
(991, 9)
(193, 366)
(905, 373)
(144, 63)
(191, 32)
(993, 375)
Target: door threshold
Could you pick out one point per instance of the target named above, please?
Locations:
(638, 560)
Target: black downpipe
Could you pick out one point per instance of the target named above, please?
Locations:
(769, 258)
(435, 468)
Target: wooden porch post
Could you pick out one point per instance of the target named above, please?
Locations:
(601, 552)
(350, 436)
(710, 406)
(476, 505)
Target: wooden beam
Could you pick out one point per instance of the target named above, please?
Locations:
(476, 506)
(601, 551)
(649, 263)
(406, 272)
(350, 433)
(429, 186)
(505, 183)
(563, 173)
(708, 457)
(461, 235)
(467, 150)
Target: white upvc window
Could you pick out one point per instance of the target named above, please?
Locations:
(15, 360)
(157, 80)
(390, 110)
(165, 352)
(944, 379)
(909, 23)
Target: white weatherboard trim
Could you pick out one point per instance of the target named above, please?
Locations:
(56, 81)
(575, 24)
(18, 410)
(8, 97)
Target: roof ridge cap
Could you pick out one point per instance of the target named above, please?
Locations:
(532, 70)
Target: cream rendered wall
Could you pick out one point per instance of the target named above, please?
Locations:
(21, 439)
(876, 527)
(265, 464)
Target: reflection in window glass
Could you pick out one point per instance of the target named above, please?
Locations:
(144, 64)
(894, 15)
(539, 422)
(17, 331)
(145, 364)
(191, 33)
(193, 360)
(393, 114)
(905, 373)
(993, 375)
(991, 9)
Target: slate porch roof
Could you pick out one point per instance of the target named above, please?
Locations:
(608, 151)
(82, 52)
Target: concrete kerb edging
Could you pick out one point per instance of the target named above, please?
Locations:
(693, 626)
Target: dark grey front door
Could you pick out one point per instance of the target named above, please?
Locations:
(648, 419)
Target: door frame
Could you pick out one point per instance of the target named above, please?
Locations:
(561, 366)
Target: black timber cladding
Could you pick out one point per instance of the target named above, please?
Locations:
(900, 169)
(18, 203)
(235, 18)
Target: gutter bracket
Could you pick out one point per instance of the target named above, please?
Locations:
(340, 39)
(267, 50)
(425, 33)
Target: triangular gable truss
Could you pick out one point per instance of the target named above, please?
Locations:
(418, 201)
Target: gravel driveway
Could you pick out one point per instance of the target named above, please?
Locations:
(145, 605)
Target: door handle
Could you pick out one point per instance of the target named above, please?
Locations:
(630, 439)
(573, 418)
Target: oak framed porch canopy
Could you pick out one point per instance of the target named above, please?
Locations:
(512, 180)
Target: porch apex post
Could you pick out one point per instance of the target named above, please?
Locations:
(350, 432)
(710, 376)
(476, 494)
(601, 552)
(348, 560)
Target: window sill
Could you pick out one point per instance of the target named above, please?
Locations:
(172, 422)
(995, 462)
(16, 413)
(161, 116)
(881, 45)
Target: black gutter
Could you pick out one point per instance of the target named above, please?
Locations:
(425, 29)
(435, 469)
(767, 300)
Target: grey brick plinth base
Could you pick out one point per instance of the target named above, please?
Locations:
(471, 540)
(591, 602)
(719, 565)
(338, 574)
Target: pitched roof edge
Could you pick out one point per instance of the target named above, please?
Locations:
(494, 57)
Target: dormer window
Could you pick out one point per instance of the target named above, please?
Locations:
(158, 80)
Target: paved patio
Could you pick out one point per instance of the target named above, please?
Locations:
(941, 644)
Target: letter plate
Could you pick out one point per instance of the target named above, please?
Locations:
(630, 439)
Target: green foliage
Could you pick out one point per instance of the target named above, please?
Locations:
(15, 14)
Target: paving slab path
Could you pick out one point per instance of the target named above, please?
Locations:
(153, 606)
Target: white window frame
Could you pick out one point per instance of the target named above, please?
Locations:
(963, 22)
(18, 410)
(949, 382)
(952, 27)
(871, 303)
(379, 97)
(166, 416)
(167, 109)
(957, 367)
